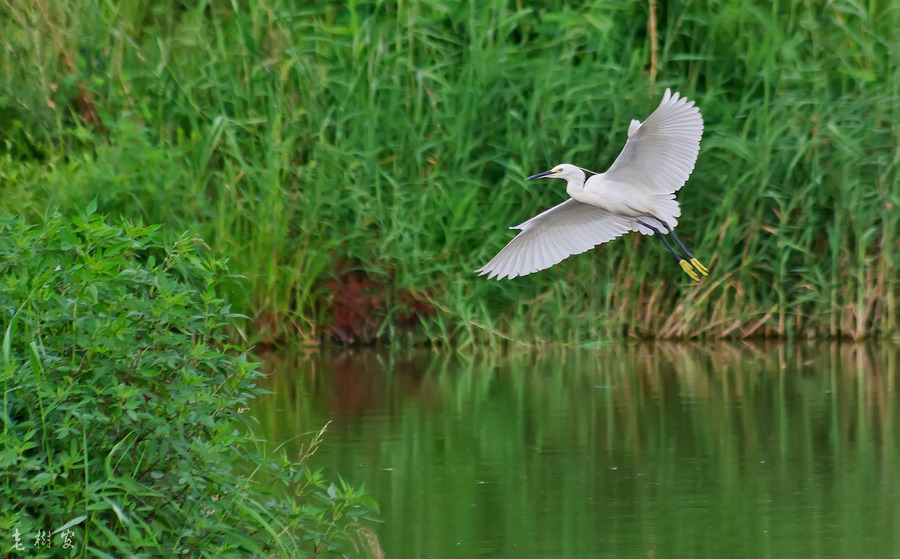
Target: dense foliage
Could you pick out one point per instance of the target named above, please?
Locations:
(358, 160)
(122, 427)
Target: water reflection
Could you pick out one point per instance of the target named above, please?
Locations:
(630, 451)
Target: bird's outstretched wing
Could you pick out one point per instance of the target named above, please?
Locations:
(548, 238)
(660, 152)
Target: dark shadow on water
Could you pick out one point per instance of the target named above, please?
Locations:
(637, 450)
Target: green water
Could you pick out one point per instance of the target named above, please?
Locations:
(632, 451)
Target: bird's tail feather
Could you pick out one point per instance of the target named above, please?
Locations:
(667, 209)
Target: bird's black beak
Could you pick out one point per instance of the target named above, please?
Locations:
(539, 175)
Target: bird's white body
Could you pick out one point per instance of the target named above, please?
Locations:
(637, 193)
(618, 198)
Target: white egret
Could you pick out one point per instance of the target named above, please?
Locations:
(637, 193)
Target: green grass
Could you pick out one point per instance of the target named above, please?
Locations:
(123, 431)
(310, 140)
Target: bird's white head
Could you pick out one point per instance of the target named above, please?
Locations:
(563, 171)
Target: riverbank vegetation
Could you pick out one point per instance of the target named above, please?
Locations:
(123, 431)
(356, 161)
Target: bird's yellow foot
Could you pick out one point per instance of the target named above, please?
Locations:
(689, 270)
(700, 267)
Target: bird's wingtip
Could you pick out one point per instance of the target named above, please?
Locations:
(485, 270)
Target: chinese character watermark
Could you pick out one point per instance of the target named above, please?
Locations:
(17, 538)
(44, 538)
(67, 539)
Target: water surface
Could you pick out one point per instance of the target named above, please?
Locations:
(630, 451)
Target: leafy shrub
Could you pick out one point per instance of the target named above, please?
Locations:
(123, 432)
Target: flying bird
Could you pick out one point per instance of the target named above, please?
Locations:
(637, 193)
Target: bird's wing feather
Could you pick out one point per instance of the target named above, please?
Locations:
(548, 238)
(660, 152)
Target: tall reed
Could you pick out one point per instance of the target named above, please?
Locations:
(390, 140)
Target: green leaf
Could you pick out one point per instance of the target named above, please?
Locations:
(69, 524)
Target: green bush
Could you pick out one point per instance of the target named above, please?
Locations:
(122, 407)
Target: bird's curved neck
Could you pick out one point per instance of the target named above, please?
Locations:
(574, 185)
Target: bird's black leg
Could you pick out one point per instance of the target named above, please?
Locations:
(672, 232)
(663, 237)
(694, 262)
